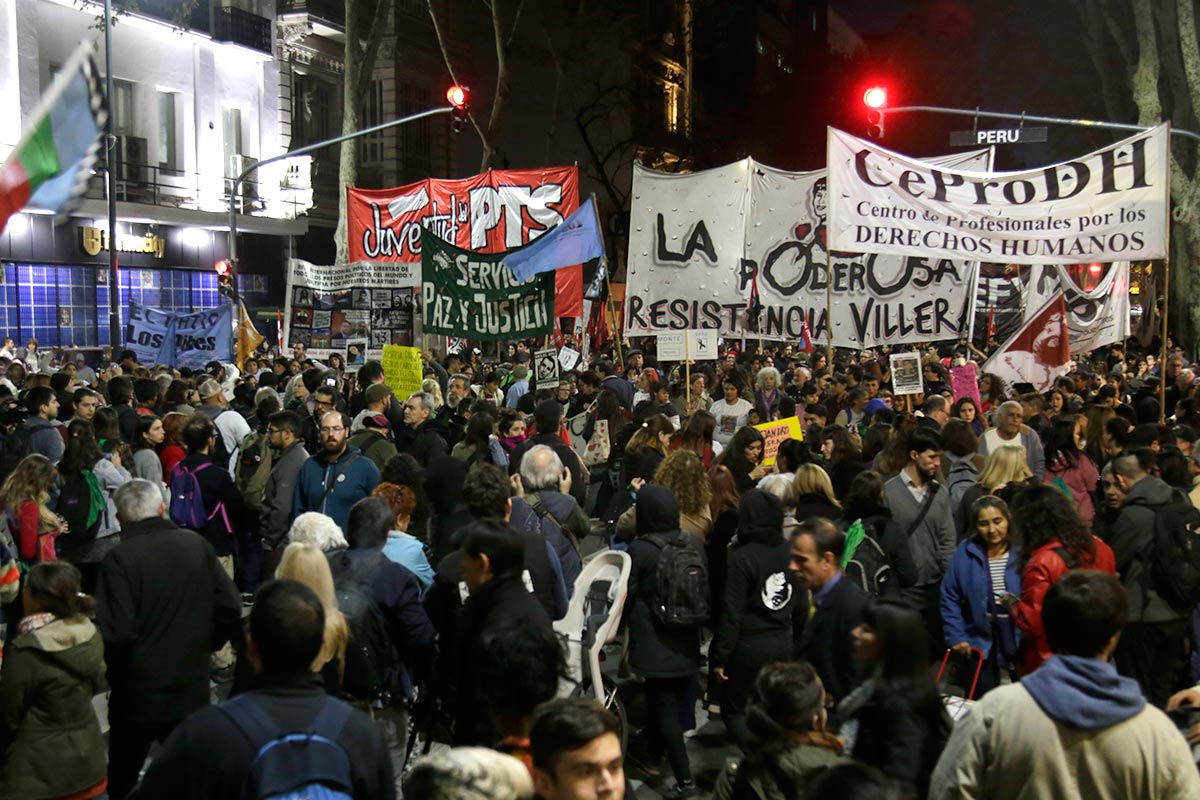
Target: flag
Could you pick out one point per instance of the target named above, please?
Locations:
(805, 339)
(1039, 352)
(49, 167)
(991, 328)
(597, 327)
(574, 240)
(248, 337)
(595, 289)
(754, 306)
(279, 330)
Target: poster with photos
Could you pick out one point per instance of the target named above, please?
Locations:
(906, 373)
(353, 309)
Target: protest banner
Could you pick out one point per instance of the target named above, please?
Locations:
(180, 339)
(699, 240)
(492, 212)
(1109, 205)
(1039, 352)
(327, 307)
(964, 382)
(775, 433)
(402, 370)
(474, 295)
(906, 373)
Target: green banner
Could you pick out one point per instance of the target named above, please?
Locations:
(474, 295)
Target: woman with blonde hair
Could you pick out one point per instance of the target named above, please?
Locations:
(24, 498)
(434, 388)
(683, 473)
(306, 563)
(814, 494)
(1005, 472)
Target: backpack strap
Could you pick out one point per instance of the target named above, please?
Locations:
(333, 479)
(928, 504)
(1067, 558)
(260, 729)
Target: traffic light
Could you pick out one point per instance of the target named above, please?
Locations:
(875, 99)
(224, 270)
(460, 98)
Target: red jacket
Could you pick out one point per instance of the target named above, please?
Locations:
(1044, 568)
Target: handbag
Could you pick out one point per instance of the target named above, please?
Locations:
(598, 447)
(46, 549)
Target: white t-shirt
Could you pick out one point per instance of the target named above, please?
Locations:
(730, 418)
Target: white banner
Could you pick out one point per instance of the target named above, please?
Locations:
(698, 239)
(1109, 205)
(351, 309)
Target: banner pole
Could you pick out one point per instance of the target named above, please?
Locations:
(829, 316)
(611, 312)
(687, 367)
(1162, 364)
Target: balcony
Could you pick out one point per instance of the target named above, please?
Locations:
(331, 11)
(242, 27)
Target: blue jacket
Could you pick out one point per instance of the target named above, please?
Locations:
(965, 594)
(332, 488)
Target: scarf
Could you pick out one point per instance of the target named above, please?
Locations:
(33, 622)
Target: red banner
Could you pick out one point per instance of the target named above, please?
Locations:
(492, 212)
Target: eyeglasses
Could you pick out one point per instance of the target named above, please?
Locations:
(338, 429)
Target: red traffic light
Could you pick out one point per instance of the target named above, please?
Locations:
(875, 97)
(223, 268)
(457, 96)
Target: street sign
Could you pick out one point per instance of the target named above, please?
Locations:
(694, 345)
(1022, 135)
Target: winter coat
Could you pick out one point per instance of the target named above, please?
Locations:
(1045, 566)
(109, 477)
(842, 474)
(566, 454)
(900, 737)
(962, 478)
(801, 764)
(1009, 748)
(45, 438)
(163, 603)
(424, 443)
(656, 650)
(50, 739)
(332, 488)
(827, 643)
(217, 489)
(1081, 478)
(966, 594)
(276, 516)
(1131, 539)
(816, 505)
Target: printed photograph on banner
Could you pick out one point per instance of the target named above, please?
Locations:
(545, 368)
(356, 354)
(343, 299)
(402, 298)
(302, 316)
(301, 296)
(405, 338)
(381, 298)
(300, 336)
(320, 341)
(322, 322)
(380, 337)
(322, 300)
(906, 373)
(361, 298)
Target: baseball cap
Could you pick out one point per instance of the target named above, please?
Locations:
(209, 388)
(376, 421)
(377, 392)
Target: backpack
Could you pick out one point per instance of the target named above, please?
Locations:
(1174, 560)
(252, 470)
(82, 505)
(865, 562)
(371, 672)
(681, 591)
(14, 446)
(306, 764)
(187, 501)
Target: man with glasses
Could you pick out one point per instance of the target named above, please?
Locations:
(324, 400)
(283, 434)
(337, 477)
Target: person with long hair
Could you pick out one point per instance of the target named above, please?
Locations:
(83, 453)
(723, 508)
(1056, 404)
(1053, 540)
(647, 449)
(894, 720)
(50, 739)
(24, 498)
(814, 494)
(1068, 466)
(743, 458)
(1005, 473)
(307, 564)
(477, 440)
(966, 409)
(962, 462)
(697, 436)
(787, 717)
(991, 391)
(148, 436)
(842, 457)
(683, 473)
(761, 597)
(985, 569)
(107, 426)
(510, 433)
(172, 451)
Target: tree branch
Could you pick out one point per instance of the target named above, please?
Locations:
(1189, 46)
(437, 29)
(366, 65)
(1144, 80)
(516, 21)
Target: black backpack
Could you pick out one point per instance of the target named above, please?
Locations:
(1174, 560)
(372, 665)
(14, 446)
(868, 564)
(82, 505)
(681, 592)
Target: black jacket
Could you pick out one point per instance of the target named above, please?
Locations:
(425, 443)
(163, 603)
(761, 593)
(656, 650)
(501, 605)
(827, 643)
(816, 505)
(209, 756)
(901, 738)
(566, 454)
(217, 487)
(622, 388)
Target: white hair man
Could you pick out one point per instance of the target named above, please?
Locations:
(546, 484)
(1011, 429)
(423, 440)
(160, 597)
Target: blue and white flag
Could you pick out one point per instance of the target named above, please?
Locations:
(573, 241)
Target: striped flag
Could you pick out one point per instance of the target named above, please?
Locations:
(50, 166)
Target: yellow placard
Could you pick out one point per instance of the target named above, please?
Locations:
(775, 433)
(402, 370)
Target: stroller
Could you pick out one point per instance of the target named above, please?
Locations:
(591, 622)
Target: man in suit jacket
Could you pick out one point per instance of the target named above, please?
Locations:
(836, 607)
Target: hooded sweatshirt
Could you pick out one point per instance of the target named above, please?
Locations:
(760, 591)
(1084, 693)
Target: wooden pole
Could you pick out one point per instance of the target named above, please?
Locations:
(828, 316)
(687, 368)
(1162, 364)
(612, 313)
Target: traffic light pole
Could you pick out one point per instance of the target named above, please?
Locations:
(1083, 123)
(234, 191)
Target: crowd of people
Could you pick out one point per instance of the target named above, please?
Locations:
(357, 571)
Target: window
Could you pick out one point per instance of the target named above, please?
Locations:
(311, 103)
(168, 131)
(416, 141)
(670, 107)
(371, 148)
(122, 107)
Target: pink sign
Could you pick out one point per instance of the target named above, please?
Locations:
(965, 383)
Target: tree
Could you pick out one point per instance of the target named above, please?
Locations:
(366, 24)
(1147, 59)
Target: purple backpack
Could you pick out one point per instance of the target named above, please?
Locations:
(187, 501)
